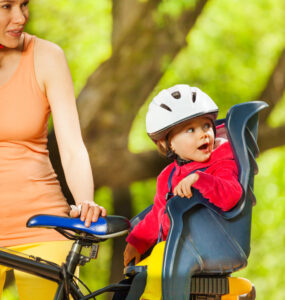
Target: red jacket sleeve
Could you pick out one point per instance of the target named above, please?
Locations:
(219, 184)
(145, 234)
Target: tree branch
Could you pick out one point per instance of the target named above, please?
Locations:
(116, 90)
(132, 72)
(125, 167)
(189, 17)
(271, 137)
(125, 14)
(274, 89)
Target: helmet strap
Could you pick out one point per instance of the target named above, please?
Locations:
(181, 161)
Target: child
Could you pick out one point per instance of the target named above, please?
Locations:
(180, 120)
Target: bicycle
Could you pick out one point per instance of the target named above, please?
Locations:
(104, 228)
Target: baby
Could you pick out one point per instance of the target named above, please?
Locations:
(180, 120)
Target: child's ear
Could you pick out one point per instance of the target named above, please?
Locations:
(163, 143)
(162, 147)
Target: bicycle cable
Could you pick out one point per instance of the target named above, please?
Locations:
(14, 252)
(81, 282)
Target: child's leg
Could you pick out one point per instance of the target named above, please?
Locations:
(3, 271)
(31, 287)
(154, 262)
(146, 284)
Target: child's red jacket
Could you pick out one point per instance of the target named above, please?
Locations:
(218, 183)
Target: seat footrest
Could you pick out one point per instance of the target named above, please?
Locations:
(205, 297)
(221, 287)
(209, 286)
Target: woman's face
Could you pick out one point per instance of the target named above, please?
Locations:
(14, 15)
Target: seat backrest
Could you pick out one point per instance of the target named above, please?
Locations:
(242, 130)
(203, 239)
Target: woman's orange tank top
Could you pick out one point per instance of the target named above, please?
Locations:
(28, 183)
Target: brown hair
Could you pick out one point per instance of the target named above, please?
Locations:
(164, 144)
(161, 147)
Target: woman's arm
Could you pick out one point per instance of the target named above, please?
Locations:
(55, 80)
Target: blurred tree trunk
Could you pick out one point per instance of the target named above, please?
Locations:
(122, 207)
(142, 47)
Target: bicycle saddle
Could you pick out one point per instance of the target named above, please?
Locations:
(104, 228)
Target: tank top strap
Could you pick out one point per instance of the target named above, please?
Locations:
(26, 74)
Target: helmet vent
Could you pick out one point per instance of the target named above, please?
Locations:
(165, 107)
(194, 97)
(176, 95)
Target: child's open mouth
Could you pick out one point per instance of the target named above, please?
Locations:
(204, 146)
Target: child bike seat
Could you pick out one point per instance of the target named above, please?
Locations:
(203, 240)
(104, 228)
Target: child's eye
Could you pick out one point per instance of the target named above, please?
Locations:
(207, 125)
(190, 130)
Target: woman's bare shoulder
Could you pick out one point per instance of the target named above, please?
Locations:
(47, 48)
(48, 58)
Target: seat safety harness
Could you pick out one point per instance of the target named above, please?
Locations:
(169, 195)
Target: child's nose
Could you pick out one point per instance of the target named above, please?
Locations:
(204, 132)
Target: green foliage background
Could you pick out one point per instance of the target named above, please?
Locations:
(230, 54)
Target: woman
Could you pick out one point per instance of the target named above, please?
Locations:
(34, 81)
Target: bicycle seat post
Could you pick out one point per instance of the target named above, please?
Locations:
(73, 257)
(72, 261)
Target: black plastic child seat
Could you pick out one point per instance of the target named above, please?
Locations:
(203, 240)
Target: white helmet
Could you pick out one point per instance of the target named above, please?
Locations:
(176, 105)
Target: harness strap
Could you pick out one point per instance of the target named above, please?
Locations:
(169, 195)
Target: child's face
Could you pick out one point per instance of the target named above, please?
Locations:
(193, 140)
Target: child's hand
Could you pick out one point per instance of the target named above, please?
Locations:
(131, 253)
(183, 188)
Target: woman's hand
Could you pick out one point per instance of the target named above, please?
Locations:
(131, 253)
(88, 212)
(183, 188)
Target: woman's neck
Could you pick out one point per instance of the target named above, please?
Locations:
(19, 47)
(6, 51)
